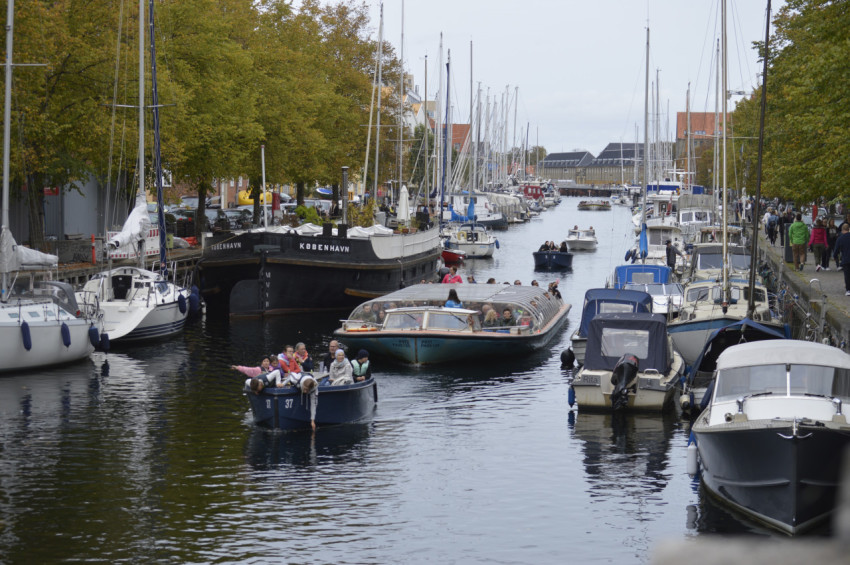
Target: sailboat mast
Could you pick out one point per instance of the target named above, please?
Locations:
(378, 117)
(477, 140)
(427, 131)
(471, 102)
(715, 164)
(157, 153)
(400, 147)
(688, 140)
(445, 141)
(751, 305)
(645, 135)
(724, 90)
(7, 116)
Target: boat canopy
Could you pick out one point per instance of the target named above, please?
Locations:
(533, 300)
(608, 300)
(743, 331)
(613, 335)
(793, 352)
(710, 256)
(644, 274)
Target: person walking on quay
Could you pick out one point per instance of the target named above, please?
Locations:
(798, 235)
(842, 254)
(770, 225)
(818, 244)
(832, 233)
(780, 227)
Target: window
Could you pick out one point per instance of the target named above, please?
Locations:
(826, 381)
(618, 341)
(403, 321)
(446, 321)
(615, 308)
(744, 381)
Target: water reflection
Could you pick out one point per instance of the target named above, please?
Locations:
(269, 449)
(624, 450)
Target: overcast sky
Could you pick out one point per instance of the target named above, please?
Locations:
(579, 64)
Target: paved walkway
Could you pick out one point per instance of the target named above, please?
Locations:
(812, 285)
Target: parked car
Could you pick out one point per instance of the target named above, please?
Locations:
(170, 221)
(237, 219)
(185, 223)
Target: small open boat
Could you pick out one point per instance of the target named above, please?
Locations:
(599, 205)
(582, 240)
(453, 255)
(286, 408)
(553, 260)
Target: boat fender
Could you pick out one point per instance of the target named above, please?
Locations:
(628, 255)
(66, 334)
(571, 396)
(692, 460)
(497, 244)
(685, 402)
(104, 342)
(568, 358)
(181, 303)
(194, 300)
(26, 336)
(94, 337)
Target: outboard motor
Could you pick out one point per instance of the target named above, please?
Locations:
(568, 358)
(624, 379)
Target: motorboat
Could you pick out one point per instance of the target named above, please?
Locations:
(413, 325)
(706, 262)
(701, 373)
(464, 207)
(473, 239)
(552, 260)
(604, 301)
(639, 273)
(667, 298)
(707, 308)
(630, 364)
(594, 205)
(772, 439)
(582, 240)
(287, 408)
(695, 211)
(453, 255)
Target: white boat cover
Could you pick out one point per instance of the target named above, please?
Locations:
(403, 204)
(782, 351)
(14, 257)
(135, 227)
(308, 229)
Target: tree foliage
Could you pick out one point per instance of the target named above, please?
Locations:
(807, 148)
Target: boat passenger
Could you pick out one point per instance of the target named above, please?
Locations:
(452, 276)
(517, 283)
(330, 355)
(491, 319)
(253, 371)
(544, 247)
(507, 318)
(257, 384)
(308, 385)
(341, 370)
(288, 364)
(535, 283)
(491, 280)
(564, 248)
(553, 290)
(471, 280)
(366, 314)
(274, 363)
(302, 357)
(454, 300)
(526, 321)
(361, 369)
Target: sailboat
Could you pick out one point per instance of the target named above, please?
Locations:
(40, 322)
(138, 303)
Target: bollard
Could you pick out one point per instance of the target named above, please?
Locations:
(93, 258)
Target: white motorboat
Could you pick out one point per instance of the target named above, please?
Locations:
(706, 309)
(582, 240)
(772, 439)
(629, 364)
(472, 239)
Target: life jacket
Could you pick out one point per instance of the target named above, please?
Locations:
(359, 370)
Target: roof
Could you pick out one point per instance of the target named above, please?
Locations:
(570, 159)
(656, 355)
(787, 351)
(626, 274)
(596, 299)
(619, 154)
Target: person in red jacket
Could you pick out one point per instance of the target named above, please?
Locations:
(452, 276)
(818, 243)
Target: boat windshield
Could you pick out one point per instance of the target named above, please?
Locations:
(697, 294)
(784, 380)
(616, 342)
(657, 288)
(660, 236)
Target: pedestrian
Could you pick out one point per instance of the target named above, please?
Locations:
(818, 244)
(842, 255)
(671, 254)
(770, 225)
(798, 236)
(832, 233)
(780, 227)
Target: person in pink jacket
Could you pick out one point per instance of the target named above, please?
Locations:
(818, 243)
(253, 371)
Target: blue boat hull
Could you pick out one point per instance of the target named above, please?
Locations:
(286, 408)
(553, 260)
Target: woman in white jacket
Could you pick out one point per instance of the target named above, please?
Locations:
(340, 372)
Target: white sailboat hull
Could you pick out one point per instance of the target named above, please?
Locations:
(45, 330)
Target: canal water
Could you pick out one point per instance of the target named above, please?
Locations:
(148, 454)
